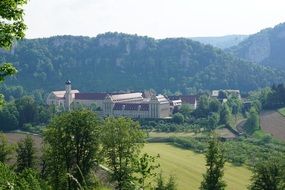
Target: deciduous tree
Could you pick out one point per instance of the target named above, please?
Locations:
(122, 141)
(268, 175)
(12, 27)
(225, 115)
(252, 123)
(72, 147)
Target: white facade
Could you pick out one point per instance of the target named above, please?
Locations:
(125, 104)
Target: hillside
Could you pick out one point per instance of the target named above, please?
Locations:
(115, 61)
(222, 42)
(274, 123)
(265, 47)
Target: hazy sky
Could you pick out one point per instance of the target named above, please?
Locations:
(155, 18)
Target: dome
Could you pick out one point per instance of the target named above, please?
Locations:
(68, 82)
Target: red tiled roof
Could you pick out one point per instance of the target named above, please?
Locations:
(188, 99)
(131, 106)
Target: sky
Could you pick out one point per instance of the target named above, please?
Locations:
(153, 18)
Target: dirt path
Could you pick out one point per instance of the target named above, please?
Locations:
(274, 123)
(239, 126)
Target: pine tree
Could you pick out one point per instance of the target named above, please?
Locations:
(215, 163)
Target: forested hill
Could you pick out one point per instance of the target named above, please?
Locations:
(115, 61)
(222, 42)
(266, 47)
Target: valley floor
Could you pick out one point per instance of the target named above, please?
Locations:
(188, 167)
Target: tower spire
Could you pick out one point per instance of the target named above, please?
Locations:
(67, 96)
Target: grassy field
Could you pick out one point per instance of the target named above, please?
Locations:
(188, 167)
(282, 111)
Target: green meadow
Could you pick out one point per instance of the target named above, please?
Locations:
(188, 167)
(282, 111)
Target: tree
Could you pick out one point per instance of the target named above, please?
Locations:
(28, 110)
(213, 121)
(25, 154)
(215, 105)
(215, 164)
(252, 123)
(11, 28)
(225, 115)
(161, 185)
(268, 175)
(186, 110)
(145, 168)
(5, 148)
(9, 117)
(178, 118)
(203, 107)
(122, 141)
(28, 179)
(72, 148)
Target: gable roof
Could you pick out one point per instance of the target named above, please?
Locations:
(60, 94)
(131, 106)
(127, 97)
(188, 99)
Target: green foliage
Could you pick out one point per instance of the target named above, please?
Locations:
(11, 28)
(213, 121)
(11, 23)
(215, 167)
(7, 177)
(225, 115)
(145, 169)
(122, 141)
(25, 154)
(5, 149)
(282, 111)
(187, 65)
(194, 144)
(9, 117)
(269, 175)
(72, 141)
(260, 95)
(252, 123)
(27, 109)
(178, 118)
(162, 185)
(203, 107)
(215, 105)
(6, 69)
(267, 44)
(25, 114)
(28, 179)
(276, 99)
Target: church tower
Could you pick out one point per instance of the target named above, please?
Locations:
(67, 96)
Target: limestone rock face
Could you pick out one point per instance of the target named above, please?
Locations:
(265, 47)
(260, 50)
